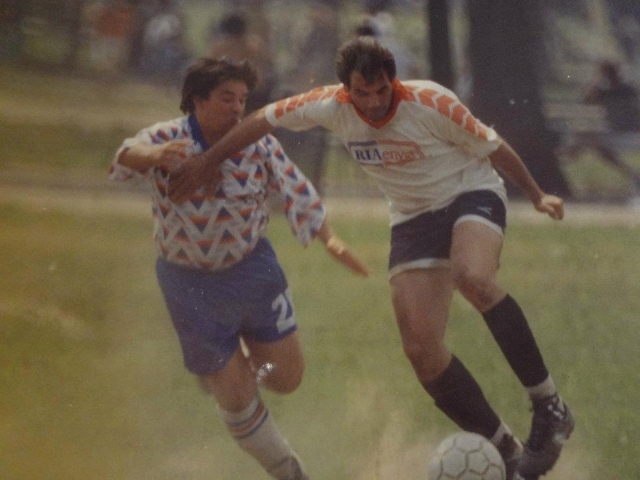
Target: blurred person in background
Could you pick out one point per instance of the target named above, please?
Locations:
(111, 23)
(232, 37)
(378, 22)
(164, 51)
(312, 66)
(619, 98)
(225, 290)
(620, 101)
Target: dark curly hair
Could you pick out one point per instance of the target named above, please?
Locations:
(206, 74)
(365, 56)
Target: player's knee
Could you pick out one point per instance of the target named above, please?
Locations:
(280, 381)
(420, 352)
(477, 287)
(427, 361)
(291, 384)
(412, 350)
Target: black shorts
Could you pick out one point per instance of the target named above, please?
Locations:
(425, 241)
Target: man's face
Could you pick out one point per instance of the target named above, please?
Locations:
(223, 109)
(372, 99)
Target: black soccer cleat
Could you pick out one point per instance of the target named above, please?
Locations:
(510, 449)
(551, 426)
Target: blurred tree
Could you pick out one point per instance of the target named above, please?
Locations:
(75, 13)
(11, 18)
(437, 12)
(505, 53)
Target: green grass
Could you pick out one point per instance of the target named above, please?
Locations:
(92, 384)
(590, 177)
(72, 148)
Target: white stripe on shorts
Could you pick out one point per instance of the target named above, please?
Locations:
(478, 218)
(420, 263)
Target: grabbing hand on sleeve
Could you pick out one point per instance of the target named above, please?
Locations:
(192, 174)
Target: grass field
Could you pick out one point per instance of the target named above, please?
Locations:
(92, 385)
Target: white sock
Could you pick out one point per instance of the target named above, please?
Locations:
(542, 390)
(503, 430)
(255, 431)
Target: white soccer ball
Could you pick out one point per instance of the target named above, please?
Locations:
(466, 456)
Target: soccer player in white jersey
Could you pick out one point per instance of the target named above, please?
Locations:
(436, 163)
(220, 278)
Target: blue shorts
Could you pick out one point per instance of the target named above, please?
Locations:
(425, 241)
(211, 310)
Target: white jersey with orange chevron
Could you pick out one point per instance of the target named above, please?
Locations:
(427, 151)
(215, 233)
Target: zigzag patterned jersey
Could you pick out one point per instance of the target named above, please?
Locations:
(217, 232)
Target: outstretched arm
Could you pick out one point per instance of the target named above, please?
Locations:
(204, 169)
(509, 162)
(339, 250)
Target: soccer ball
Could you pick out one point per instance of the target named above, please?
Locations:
(466, 456)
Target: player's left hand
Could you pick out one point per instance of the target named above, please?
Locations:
(551, 205)
(339, 250)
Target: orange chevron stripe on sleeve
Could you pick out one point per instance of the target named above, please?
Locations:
(458, 113)
(452, 109)
(279, 107)
(289, 104)
(426, 97)
(444, 102)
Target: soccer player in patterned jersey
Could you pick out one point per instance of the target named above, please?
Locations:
(223, 286)
(436, 163)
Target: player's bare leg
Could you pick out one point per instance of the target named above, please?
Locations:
(235, 389)
(475, 256)
(421, 300)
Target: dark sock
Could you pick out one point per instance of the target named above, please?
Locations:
(511, 331)
(459, 397)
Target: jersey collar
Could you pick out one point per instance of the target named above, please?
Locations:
(196, 132)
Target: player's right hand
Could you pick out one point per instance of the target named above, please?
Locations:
(172, 154)
(551, 205)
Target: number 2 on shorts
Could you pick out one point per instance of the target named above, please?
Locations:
(283, 305)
